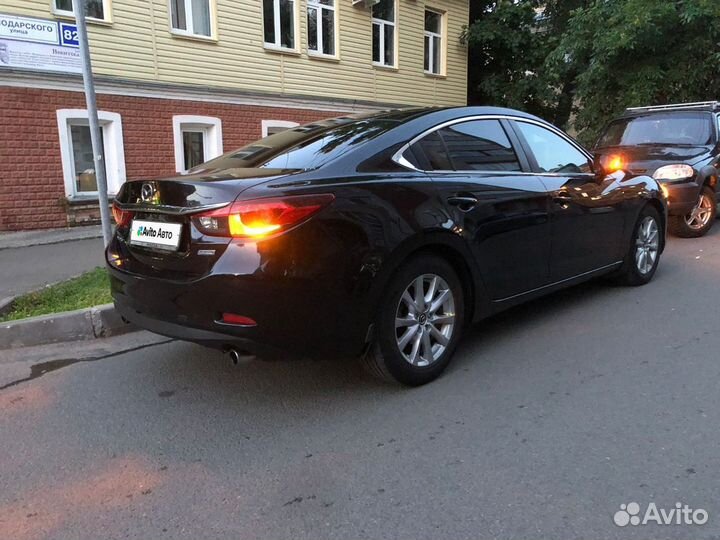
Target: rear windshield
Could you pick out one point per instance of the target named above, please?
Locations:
(305, 147)
(687, 128)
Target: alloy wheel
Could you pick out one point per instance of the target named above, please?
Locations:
(700, 216)
(647, 245)
(425, 320)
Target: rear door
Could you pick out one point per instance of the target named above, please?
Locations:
(494, 202)
(587, 216)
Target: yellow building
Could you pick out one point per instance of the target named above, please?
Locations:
(178, 81)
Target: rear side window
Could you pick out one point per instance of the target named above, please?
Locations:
(553, 153)
(477, 145)
(480, 145)
(434, 150)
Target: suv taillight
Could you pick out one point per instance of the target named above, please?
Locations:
(261, 217)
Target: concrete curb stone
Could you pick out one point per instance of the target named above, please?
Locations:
(83, 324)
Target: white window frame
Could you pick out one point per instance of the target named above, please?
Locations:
(269, 124)
(113, 149)
(107, 11)
(276, 46)
(382, 23)
(319, 8)
(190, 31)
(211, 128)
(431, 35)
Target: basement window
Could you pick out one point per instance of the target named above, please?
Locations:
(77, 155)
(197, 139)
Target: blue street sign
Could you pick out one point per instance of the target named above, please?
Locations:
(69, 35)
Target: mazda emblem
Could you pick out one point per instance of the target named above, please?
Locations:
(147, 192)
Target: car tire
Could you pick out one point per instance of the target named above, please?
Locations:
(643, 256)
(700, 220)
(414, 340)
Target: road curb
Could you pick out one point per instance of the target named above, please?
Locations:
(83, 324)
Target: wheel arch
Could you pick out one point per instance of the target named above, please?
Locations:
(451, 248)
(655, 203)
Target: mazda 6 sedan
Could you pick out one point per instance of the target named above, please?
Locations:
(382, 236)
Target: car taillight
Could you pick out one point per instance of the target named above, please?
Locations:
(261, 217)
(122, 217)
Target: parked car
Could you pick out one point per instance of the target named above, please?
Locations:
(381, 236)
(679, 146)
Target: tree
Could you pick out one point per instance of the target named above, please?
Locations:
(578, 63)
(638, 52)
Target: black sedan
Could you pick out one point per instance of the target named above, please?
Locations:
(381, 236)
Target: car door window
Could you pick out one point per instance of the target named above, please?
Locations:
(553, 153)
(480, 145)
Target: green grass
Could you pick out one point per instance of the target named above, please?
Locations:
(90, 289)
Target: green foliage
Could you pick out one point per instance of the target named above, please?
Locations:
(87, 290)
(593, 58)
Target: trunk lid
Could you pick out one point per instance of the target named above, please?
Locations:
(170, 204)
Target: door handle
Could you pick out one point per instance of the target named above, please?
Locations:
(463, 202)
(562, 198)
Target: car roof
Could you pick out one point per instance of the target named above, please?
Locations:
(448, 113)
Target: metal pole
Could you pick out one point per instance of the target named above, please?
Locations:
(79, 8)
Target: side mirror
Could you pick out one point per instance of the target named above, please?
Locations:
(598, 167)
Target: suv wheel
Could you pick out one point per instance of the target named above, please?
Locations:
(642, 260)
(419, 324)
(700, 220)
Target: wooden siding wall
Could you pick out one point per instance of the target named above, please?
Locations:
(138, 45)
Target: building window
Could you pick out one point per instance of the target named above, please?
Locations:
(279, 23)
(271, 127)
(197, 139)
(77, 155)
(383, 29)
(321, 27)
(433, 42)
(96, 9)
(191, 17)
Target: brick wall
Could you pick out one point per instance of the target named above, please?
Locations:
(32, 193)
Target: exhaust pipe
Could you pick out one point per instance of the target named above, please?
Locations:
(239, 357)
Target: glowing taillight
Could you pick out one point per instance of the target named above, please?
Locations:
(261, 217)
(122, 217)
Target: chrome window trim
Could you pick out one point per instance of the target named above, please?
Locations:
(401, 160)
(167, 209)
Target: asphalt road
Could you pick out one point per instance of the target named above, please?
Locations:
(552, 416)
(25, 269)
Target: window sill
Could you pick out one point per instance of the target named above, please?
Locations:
(79, 200)
(90, 20)
(383, 67)
(280, 50)
(435, 75)
(193, 37)
(324, 57)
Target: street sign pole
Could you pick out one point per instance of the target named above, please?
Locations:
(79, 8)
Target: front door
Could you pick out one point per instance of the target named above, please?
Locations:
(587, 219)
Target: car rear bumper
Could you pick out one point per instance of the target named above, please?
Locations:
(682, 197)
(297, 309)
(209, 338)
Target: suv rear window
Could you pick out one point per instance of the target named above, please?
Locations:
(686, 128)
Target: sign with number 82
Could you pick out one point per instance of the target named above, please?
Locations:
(69, 35)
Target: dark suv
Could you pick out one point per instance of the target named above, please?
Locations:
(679, 146)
